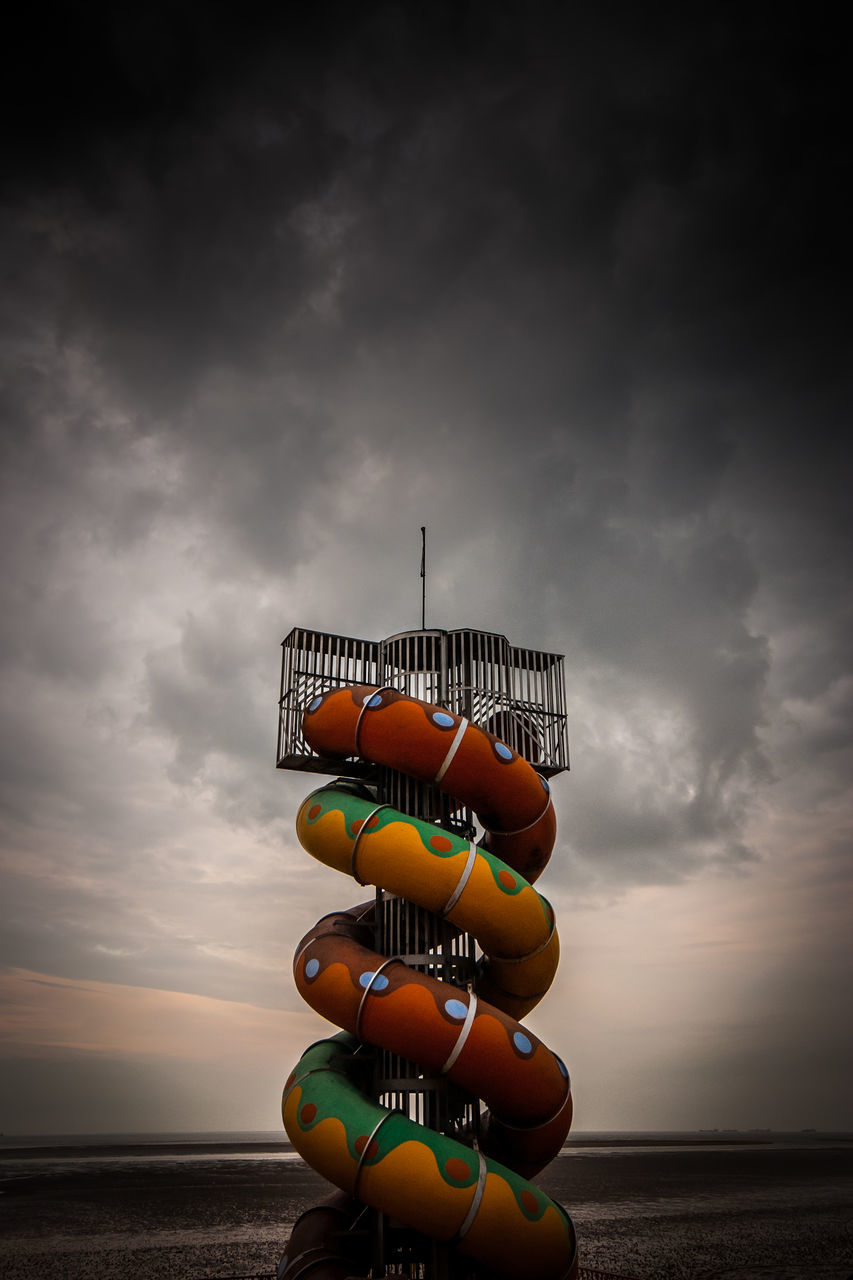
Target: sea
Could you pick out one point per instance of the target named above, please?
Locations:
(49, 1150)
(250, 1139)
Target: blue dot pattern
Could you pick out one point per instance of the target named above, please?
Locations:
(375, 701)
(503, 751)
(455, 1008)
(312, 968)
(376, 983)
(442, 719)
(521, 1043)
(314, 704)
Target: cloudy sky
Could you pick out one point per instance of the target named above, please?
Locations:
(566, 285)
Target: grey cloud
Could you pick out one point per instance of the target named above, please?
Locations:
(199, 692)
(167, 926)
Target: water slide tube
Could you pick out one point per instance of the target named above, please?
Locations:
(478, 1198)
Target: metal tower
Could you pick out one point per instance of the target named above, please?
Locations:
(519, 695)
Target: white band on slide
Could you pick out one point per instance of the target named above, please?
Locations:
(475, 1203)
(518, 831)
(352, 858)
(363, 1156)
(530, 956)
(385, 688)
(534, 1128)
(463, 1035)
(463, 880)
(367, 991)
(454, 747)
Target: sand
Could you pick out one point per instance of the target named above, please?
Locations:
(750, 1214)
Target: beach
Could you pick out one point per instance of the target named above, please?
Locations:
(683, 1210)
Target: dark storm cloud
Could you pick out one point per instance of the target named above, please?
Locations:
(534, 169)
(528, 238)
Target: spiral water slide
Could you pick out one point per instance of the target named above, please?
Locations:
(476, 1195)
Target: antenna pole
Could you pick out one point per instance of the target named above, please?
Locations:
(423, 577)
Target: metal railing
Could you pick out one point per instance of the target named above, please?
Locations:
(516, 693)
